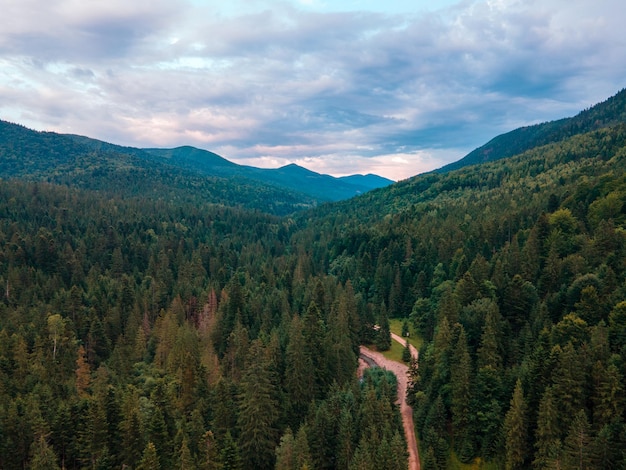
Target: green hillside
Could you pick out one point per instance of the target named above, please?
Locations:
(605, 114)
(167, 332)
(122, 171)
(513, 272)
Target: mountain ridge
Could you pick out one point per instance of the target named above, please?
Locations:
(293, 176)
(604, 114)
(184, 171)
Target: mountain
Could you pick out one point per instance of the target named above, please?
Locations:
(319, 186)
(129, 172)
(183, 172)
(370, 180)
(605, 114)
(159, 332)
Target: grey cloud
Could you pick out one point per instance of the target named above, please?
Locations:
(311, 85)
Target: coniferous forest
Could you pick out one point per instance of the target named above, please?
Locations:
(144, 329)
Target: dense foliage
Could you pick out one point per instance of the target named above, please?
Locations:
(135, 331)
(126, 172)
(608, 113)
(514, 272)
(170, 332)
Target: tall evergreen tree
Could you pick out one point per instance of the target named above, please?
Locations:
(577, 452)
(43, 456)
(548, 433)
(299, 380)
(516, 430)
(230, 456)
(149, 459)
(383, 338)
(258, 412)
(460, 384)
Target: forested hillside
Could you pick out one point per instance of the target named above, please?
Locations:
(123, 172)
(184, 173)
(606, 114)
(140, 332)
(514, 272)
(197, 337)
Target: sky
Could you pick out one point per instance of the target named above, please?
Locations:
(391, 87)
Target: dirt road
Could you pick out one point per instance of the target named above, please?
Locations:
(400, 370)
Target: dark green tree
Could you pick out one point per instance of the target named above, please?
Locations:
(258, 411)
(577, 448)
(516, 430)
(149, 459)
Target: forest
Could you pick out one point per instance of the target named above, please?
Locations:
(147, 331)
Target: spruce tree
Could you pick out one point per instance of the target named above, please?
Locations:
(577, 448)
(230, 456)
(43, 456)
(460, 384)
(383, 338)
(185, 460)
(299, 379)
(548, 433)
(149, 459)
(406, 353)
(258, 412)
(516, 430)
(285, 452)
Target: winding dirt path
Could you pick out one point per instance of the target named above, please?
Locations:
(400, 370)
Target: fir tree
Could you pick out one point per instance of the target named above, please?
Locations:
(258, 412)
(515, 430)
(149, 459)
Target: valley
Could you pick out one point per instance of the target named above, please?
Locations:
(159, 315)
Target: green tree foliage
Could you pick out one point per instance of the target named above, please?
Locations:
(516, 429)
(200, 317)
(149, 460)
(258, 411)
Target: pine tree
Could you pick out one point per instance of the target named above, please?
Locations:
(208, 454)
(383, 338)
(83, 373)
(548, 434)
(43, 456)
(149, 459)
(569, 380)
(314, 332)
(607, 395)
(301, 448)
(158, 436)
(460, 384)
(489, 349)
(185, 460)
(299, 380)
(224, 408)
(258, 412)
(285, 452)
(516, 430)
(406, 352)
(617, 326)
(577, 445)
(229, 454)
(341, 358)
(346, 439)
(131, 430)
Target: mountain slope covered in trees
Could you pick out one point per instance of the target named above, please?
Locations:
(174, 333)
(293, 177)
(608, 113)
(513, 271)
(185, 173)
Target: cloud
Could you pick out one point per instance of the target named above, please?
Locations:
(276, 81)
